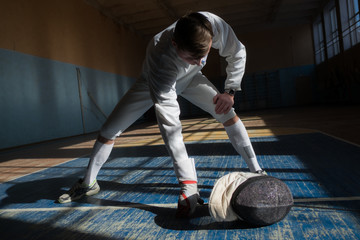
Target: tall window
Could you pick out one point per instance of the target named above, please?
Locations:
(333, 41)
(319, 44)
(350, 21)
(354, 21)
(331, 29)
(326, 29)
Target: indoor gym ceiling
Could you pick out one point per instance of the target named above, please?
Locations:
(148, 17)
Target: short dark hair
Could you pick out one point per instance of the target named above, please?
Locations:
(193, 33)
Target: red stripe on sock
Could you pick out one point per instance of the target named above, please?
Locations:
(188, 182)
(185, 197)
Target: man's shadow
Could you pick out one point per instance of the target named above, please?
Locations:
(165, 216)
(51, 189)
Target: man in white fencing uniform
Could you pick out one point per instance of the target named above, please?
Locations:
(172, 67)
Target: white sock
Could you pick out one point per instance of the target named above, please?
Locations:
(241, 142)
(100, 154)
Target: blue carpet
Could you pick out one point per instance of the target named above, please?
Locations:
(139, 191)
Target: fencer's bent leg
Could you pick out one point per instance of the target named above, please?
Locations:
(130, 108)
(134, 104)
(100, 153)
(201, 92)
(170, 128)
(241, 142)
(167, 112)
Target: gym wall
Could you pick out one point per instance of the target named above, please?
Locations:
(280, 70)
(63, 67)
(339, 78)
(279, 48)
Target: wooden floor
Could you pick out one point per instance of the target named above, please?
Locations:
(314, 150)
(338, 120)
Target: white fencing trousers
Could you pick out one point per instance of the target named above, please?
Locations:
(129, 109)
(199, 91)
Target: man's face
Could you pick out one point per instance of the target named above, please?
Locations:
(188, 56)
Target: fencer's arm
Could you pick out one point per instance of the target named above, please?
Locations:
(232, 49)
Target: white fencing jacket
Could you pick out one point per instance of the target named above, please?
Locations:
(167, 75)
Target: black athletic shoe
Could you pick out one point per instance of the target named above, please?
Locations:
(77, 191)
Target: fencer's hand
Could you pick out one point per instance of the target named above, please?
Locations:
(224, 103)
